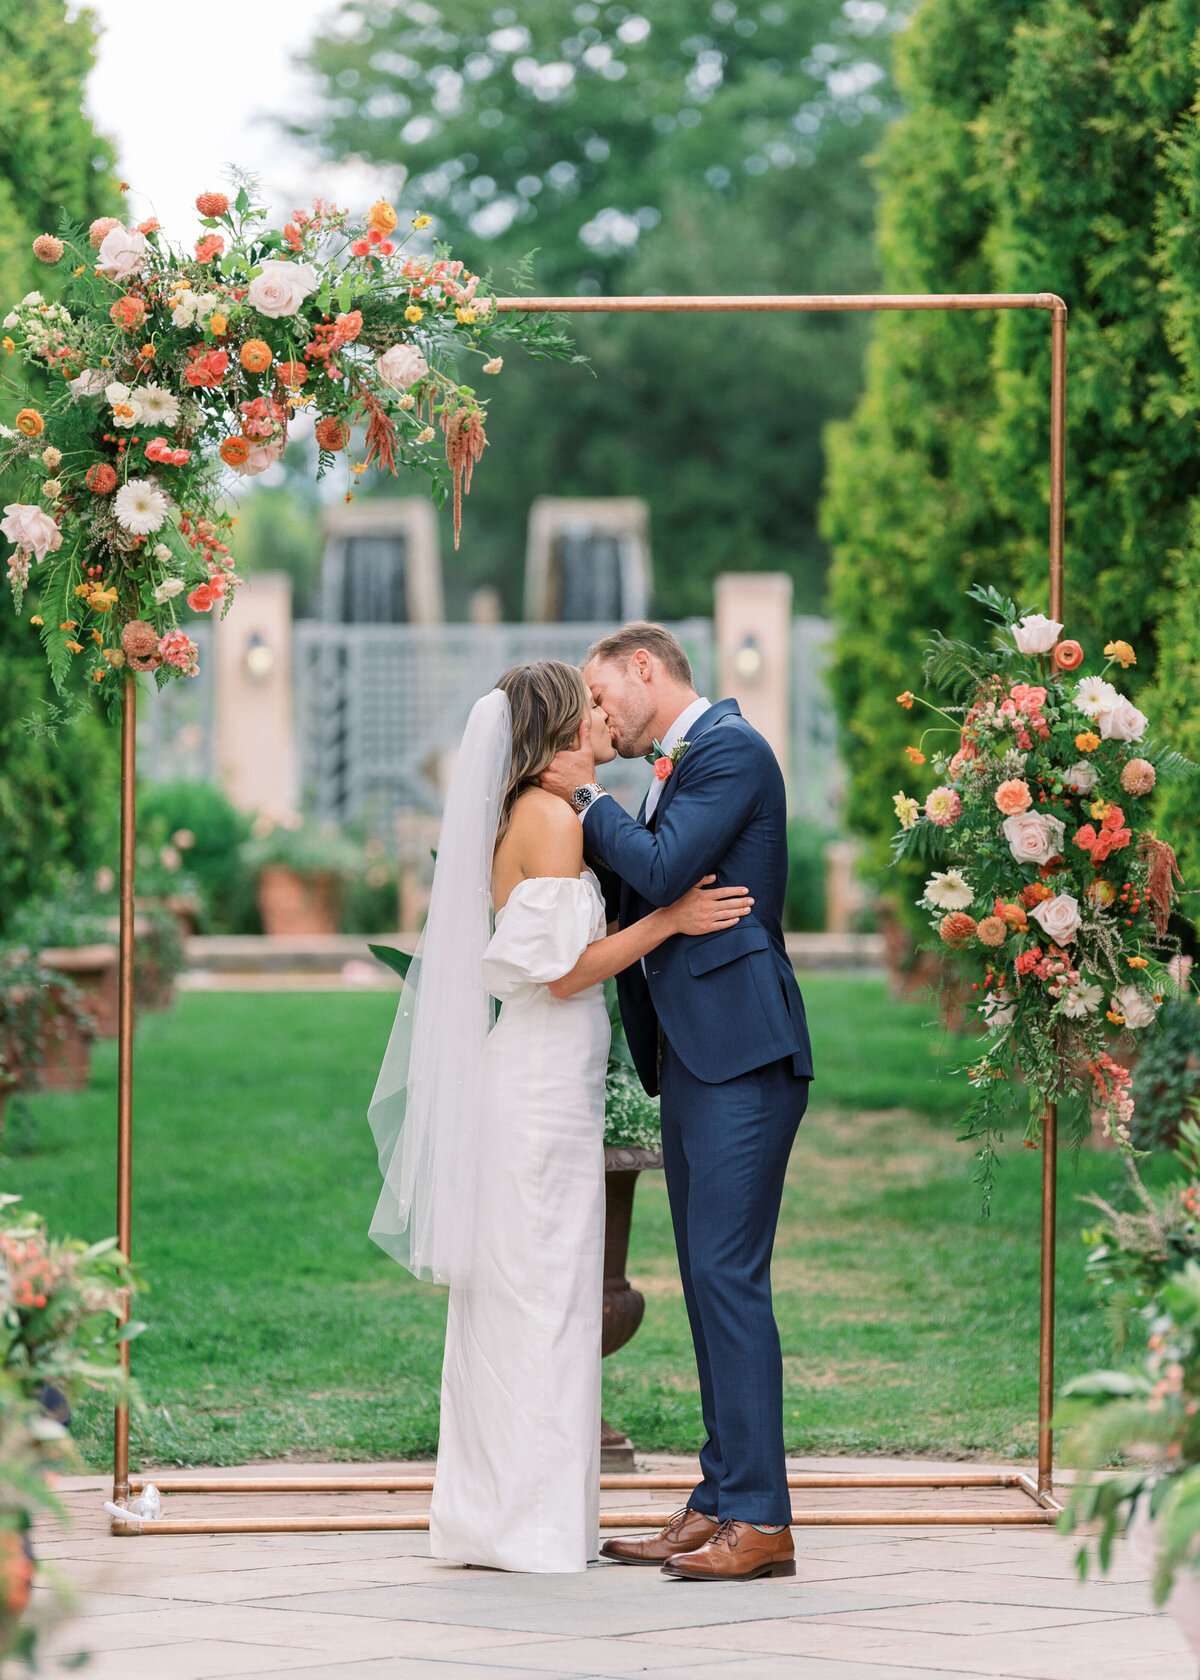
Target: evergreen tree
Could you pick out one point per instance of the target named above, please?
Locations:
(1031, 159)
(57, 783)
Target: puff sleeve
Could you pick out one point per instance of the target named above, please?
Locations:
(541, 933)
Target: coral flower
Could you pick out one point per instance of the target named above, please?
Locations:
(100, 227)
(256, 355)
(906, 700)
(47, 249)
(293, 374)
(128, 312)
(957, 929)
(332, 433)
(1013, 797)
(1067, 656)
(201, 598)
(1034, 893)
(1122, 652)
(234, 451)
(992, 930)
(381, 216)
(180, 651)
(1087, 741)
(101, 479)
(209, 247)
(30, 423)
(212, 203)
(917, 757)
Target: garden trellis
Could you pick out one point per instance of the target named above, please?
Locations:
(1040, 1507)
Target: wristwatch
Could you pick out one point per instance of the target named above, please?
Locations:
(586, 795)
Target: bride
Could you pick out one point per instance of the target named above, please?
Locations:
(490, 1132)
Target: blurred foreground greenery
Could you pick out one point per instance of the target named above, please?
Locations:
(277, 1329)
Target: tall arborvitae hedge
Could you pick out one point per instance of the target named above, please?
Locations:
(1049, 146)
(57, 791)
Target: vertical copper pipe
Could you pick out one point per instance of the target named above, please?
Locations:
(1058, 475)
(125, 1055)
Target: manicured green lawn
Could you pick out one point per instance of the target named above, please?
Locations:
(277, 1328)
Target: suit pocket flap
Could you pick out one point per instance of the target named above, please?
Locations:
(725, 947)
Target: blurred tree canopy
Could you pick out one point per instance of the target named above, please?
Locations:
(1048, 145)
(701, 147)
(57, 785)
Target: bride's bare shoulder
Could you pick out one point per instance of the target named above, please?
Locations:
(542, 823)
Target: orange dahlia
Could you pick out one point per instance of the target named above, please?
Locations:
(957, 929)
(101, 479)
(332, 433)
(212, 203)
(47, 249)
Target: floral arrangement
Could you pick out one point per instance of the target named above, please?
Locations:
(1050, 885)
(630, 1117)
(158, 376)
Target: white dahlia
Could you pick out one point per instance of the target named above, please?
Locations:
(140, 506)
(949, 890)
(160, 407)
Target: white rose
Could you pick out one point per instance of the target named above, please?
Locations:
(29, 527)
(401, 366)
(11, 320)
(1136, 1007)
(168, 588)
(282, 287)
(89, 383)
(1080, 778)
(1122, 722)
(1036, 633)
(122, 253)
(1033, 838)
(31, 297)
(126, 405)
(1058, 917)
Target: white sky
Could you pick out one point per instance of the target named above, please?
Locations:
(183, 92)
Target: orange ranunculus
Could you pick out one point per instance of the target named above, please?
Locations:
(256, 355)
(235, 450)
(217, 324)
(1067, 656)
(30, 423)
(381, 216)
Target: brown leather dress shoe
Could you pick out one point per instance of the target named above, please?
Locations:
(737, 1551)
(686, 1530)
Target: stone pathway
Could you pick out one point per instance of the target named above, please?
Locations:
(905, 1603)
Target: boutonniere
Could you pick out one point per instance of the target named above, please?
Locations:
(663, 761)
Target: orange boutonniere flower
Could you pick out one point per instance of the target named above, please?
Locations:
(663, 761)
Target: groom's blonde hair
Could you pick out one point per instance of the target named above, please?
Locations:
(548, 700)
(619, 648)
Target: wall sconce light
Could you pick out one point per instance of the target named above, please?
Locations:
(748, 662)
(259, 659)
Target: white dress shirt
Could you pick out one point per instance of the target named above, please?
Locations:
(677, 732)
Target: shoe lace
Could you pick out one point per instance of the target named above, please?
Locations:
(676, 1522)
(725, 1532)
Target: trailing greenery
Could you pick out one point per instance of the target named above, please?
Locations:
(1166, 1078)
(697, 147)
(57, 783)
(1048, 145)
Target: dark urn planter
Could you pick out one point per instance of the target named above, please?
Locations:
(623, 1304)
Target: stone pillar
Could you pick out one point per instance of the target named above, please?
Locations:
(753, 612)
(255, 743)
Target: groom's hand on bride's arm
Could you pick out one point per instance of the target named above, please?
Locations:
(568, 770)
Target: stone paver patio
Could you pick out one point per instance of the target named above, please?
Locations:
(905, 1603)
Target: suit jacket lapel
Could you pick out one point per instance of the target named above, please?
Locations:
(714, 714)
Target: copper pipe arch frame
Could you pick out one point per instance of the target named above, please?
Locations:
(1041, 1493)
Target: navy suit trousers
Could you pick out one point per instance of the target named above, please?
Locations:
(725, 1152)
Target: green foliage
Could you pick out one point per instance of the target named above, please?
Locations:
(695, 149)
(804, 906)
(57, 772)
(201, 824)
(1049, 145)
(1166, 1079)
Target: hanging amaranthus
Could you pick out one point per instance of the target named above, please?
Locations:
(1162, 874)
(465, 443)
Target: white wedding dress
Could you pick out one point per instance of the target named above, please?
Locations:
(517, 1482)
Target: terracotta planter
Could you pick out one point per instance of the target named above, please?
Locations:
(623, 1304)
(912, 972)
(66, 1051)
(94, 970)
(183, 906)
(297, 901)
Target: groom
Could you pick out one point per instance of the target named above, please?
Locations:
(716, 1024)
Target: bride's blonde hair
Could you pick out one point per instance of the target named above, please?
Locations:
(548, 700)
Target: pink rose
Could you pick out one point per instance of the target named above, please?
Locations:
(1014, 797)
(1033, 838)
(282, 287)
(1080, 778)
(1058, 917)
(663, 768)
(262, 456)
(401, 366)
(89, 383)
(30, 528)
(122, 254)
(1122, 722)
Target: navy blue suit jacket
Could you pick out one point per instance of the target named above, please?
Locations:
(727, 1001)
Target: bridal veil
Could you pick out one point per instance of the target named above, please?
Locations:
(427, 1108)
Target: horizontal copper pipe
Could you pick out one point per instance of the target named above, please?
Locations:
(424, 1484)
(765, 303)
(418, 1521)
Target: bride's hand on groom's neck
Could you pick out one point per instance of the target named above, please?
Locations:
(568, 770)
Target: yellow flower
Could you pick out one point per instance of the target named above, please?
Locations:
(421, 221)
(907, 810)
(37, 619)
(1122, 652)
(1099, 809)
(78, 271)
(102, 600)
(1087, 741)
(8, 344)
(468, 317)
(1138, 962)
(73, 647)
(98, 676)
(413, 313)
(1112, 1015)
